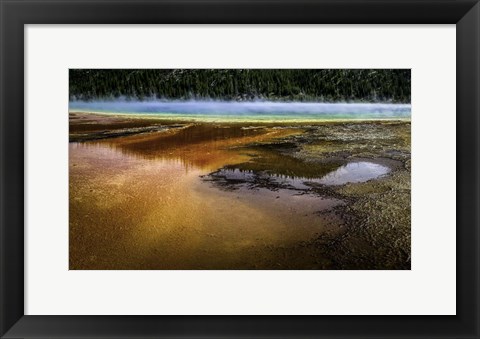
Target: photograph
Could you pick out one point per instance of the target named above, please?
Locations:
(239, 169)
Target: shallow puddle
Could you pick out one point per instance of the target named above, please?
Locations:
(353, 172)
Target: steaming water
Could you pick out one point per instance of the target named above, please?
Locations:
(261, 111)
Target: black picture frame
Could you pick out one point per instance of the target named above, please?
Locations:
(17, 13)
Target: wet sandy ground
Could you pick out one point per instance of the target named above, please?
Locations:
(147, 199)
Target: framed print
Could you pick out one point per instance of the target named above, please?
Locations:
(239, 169)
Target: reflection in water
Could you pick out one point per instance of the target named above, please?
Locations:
(202, 146)
(235, 178)
(353, 172)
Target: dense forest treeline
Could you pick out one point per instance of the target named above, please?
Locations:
(326, 85)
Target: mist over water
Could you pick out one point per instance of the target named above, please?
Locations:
(259, 110)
